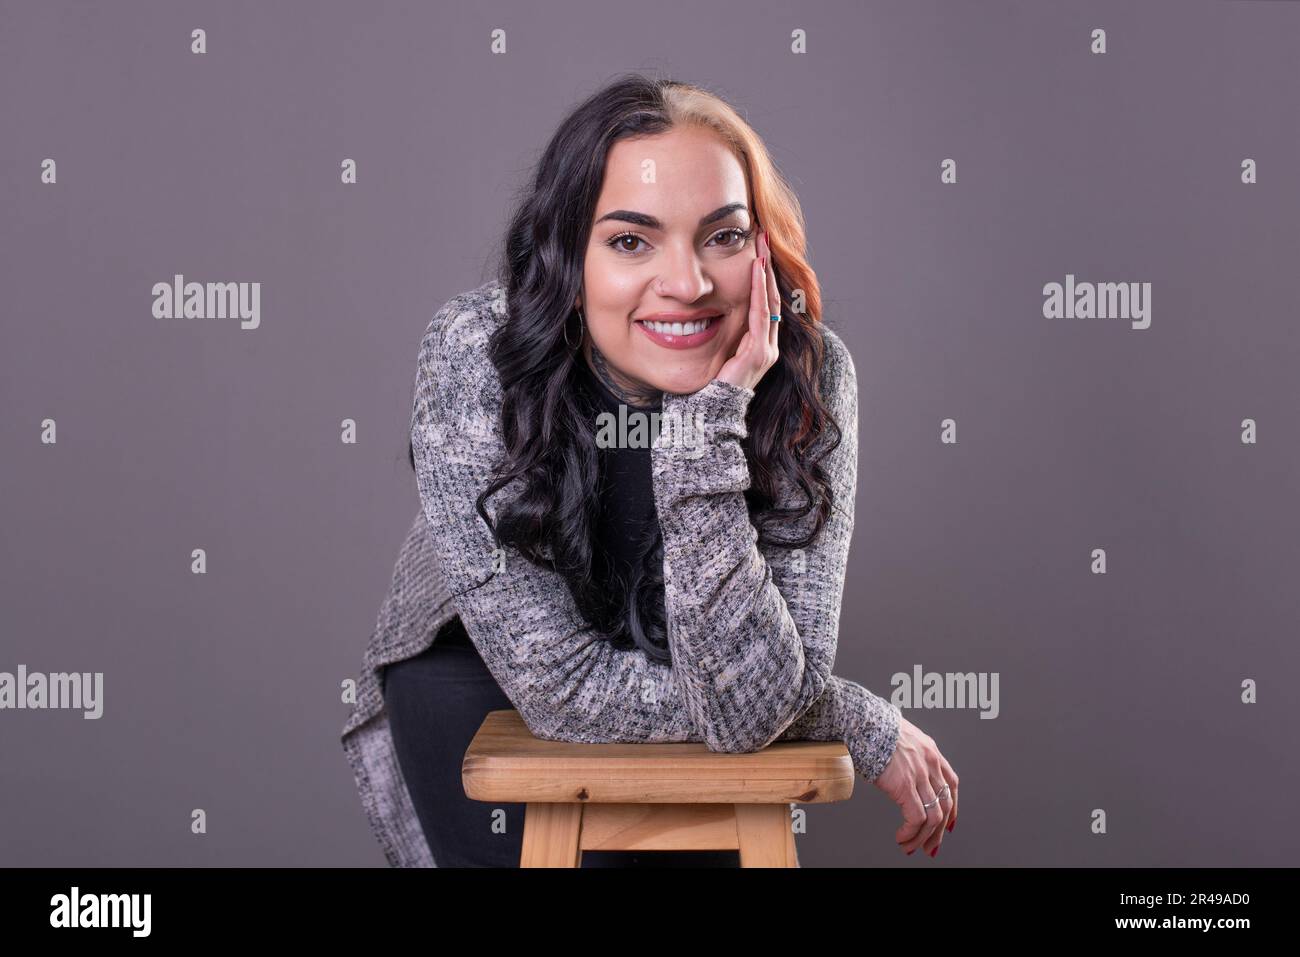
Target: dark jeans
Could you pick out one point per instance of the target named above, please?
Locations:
(436, 701)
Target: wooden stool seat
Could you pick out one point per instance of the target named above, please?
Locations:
(677, 796)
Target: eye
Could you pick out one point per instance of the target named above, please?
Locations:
(741, 236)
(613, 242)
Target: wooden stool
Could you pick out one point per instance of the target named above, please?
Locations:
(629, 797)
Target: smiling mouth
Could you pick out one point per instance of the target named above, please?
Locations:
(679, 328)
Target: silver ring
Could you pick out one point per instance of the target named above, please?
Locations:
(937, 799)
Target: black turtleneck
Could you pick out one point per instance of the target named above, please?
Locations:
(624, 488)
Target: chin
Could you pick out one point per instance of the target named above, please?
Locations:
(684, 382)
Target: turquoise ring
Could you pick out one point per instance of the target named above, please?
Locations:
(776, 318)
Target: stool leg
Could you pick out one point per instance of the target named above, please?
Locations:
(551, 833)
(765, 837)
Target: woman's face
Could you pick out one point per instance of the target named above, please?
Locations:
(673, 235)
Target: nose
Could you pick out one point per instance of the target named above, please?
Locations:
(683, 276)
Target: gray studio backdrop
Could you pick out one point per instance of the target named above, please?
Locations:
(1144, 716)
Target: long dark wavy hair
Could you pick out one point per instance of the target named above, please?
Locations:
(553, 520)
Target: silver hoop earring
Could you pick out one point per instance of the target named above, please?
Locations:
(581, 330)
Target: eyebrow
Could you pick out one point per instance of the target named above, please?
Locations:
(650, 222)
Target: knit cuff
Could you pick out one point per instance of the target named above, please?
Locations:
(695, 419)
(874, 742)
(698, 451)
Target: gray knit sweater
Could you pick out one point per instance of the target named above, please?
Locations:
(752, 630)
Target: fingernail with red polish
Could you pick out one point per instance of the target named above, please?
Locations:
(911, 852)
(935, 852)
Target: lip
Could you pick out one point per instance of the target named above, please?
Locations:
(669, 341)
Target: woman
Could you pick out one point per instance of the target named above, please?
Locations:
(616, 584)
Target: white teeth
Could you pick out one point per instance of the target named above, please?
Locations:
(680, 328)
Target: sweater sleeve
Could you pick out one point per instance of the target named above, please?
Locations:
(754, 636)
